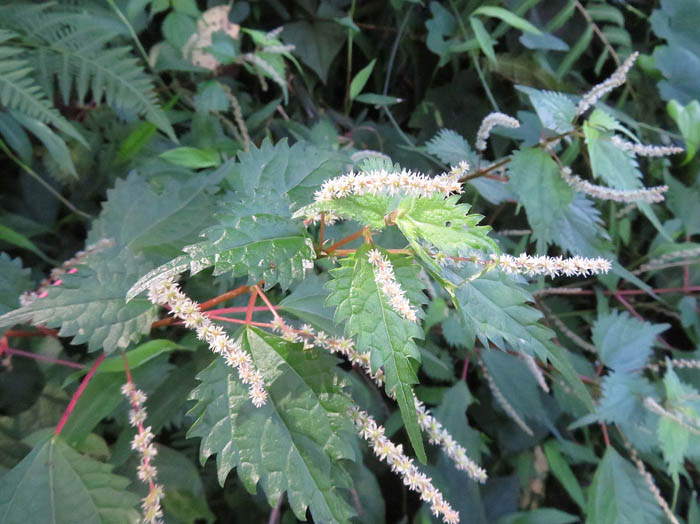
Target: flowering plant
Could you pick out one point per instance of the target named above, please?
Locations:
(276, 318)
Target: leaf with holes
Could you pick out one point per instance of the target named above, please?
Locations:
(296, 442)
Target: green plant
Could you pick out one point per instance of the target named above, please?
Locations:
(275, 281)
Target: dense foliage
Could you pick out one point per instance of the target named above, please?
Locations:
(341, 260)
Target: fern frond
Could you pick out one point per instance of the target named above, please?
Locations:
(19, 91)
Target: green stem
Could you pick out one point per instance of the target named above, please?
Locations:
(348, 74)
(43, 182)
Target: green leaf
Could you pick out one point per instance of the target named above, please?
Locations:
(89, 305)
(13, 237)
(508, 17)
(539, 516)
(56, 484)
(14, 280)
(444, 224)
(380, 329)
(192, 157)
(688, 121)
(536, 179)
(378, 100)
(277, 169)
(54, 144)
(358, 83)
(307, 302)
(555, 110)
(168, 216)
(451, 148)
(625, 342)
(561, 470)
(620, 495)
(253, 238)
(294, 442)
(316, 43)
(483, 37)
(675, 439)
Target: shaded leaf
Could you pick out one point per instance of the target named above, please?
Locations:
(294, 442)
(56, 484)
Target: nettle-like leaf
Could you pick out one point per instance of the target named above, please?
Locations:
(14, 280)
(165, 218)
(619, 494)
(444, 224)
(495, 309)
(54, 483)
(380, 329)
(89, 304)
(254, 238)
(676, 440)
(281, 169)
(296, 442)
(536, 179)
(451, 148)
(555, 110)
(624, 342)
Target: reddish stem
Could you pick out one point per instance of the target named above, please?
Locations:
(77, 394)
(238, 309)
(586, 380)
(240, 321)
(322, 230)
(251, 305)
(465, 368)
(346, 240)
(640, 317)
(43, 358)
(268, 303)
(606, 437)
(30, 333)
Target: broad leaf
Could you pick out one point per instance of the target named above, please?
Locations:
(380, 329)
(89, 304)
(625, 342)
(536, 180)
(54, 483)
(294, 442)
(451, 148)
(14, 280)
(444, 224)
(254, 238)
(555, 110)
(620, 495)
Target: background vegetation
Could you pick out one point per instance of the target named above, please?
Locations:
(130, 127)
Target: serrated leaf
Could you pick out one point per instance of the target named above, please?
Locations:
(450, 148)
(444, 224)
(536, 180)
(625, 342)
(169, 218)
(14, 280)
(89, 304)
(294, 442)
(54, 483)
(619, 494)
(555, 110)
(255, 238)
(281, 169)
(379, 329)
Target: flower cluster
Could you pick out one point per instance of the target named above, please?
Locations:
(531, 364)
(167, 292)
(143, 444)
(382, 182)
(644, 149)
(488, 123)
(403, 465)
(437, 434)
(651, 195)
(618, 78)
(392, 290)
